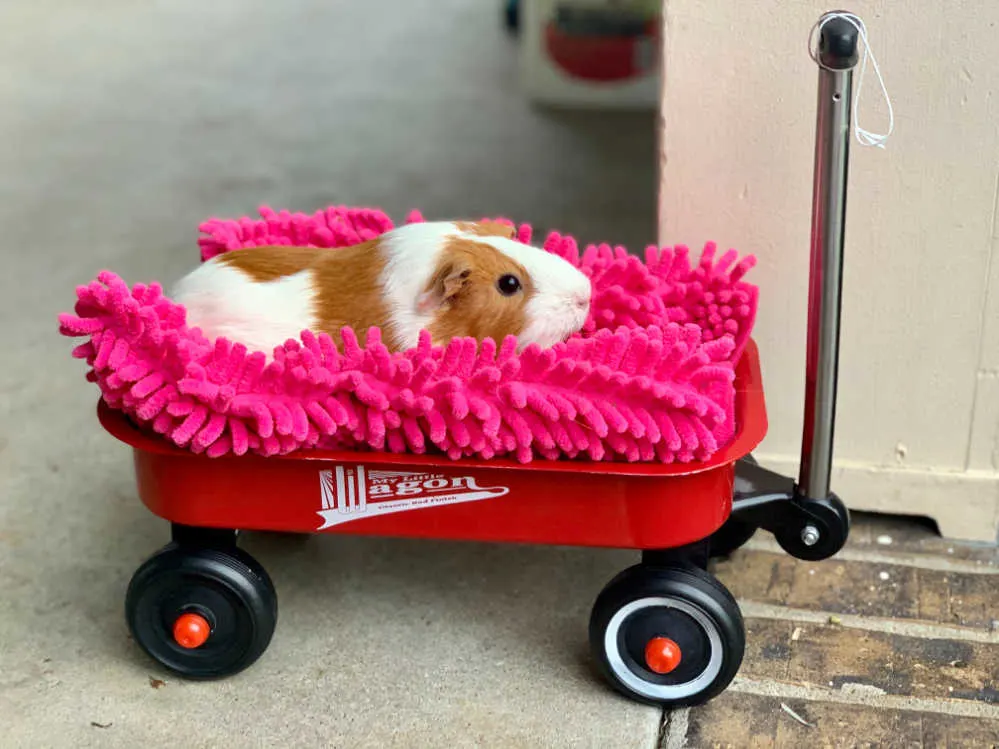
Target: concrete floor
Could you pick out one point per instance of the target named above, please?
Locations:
(123, 125)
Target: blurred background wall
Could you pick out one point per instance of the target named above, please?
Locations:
(919, 392)
(127, 123)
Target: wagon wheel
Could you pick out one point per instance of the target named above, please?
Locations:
(202, 613)
(819, 536)
(730, 537)
(734, 533)
(669, 636)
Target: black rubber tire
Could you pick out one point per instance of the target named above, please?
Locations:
(734, 533)
(683, 603)
(228, 587)
(833, 525)
(730, 537)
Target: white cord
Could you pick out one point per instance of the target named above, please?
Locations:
(865, 137)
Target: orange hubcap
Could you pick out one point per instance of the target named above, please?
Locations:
(191, 630)
(662, 655)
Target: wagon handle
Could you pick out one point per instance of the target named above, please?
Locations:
(836, 56)
(805, 517)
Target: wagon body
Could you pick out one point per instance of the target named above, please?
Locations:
(641, 506)
(664, 631)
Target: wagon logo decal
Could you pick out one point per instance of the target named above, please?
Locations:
(352, 492)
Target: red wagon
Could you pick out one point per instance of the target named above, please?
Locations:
(663, 631)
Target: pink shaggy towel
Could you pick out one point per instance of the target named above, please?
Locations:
(649, 378)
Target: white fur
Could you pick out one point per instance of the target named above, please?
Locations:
(410, 253)
(561, 300)
(559, 306)
(225, 301)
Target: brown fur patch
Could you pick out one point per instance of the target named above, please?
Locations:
(348, 292)
(471, 303)
(486, 229)
(270, 263)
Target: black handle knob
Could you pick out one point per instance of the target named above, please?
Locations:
(838, 44)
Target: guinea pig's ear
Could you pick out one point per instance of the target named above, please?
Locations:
(487, 229)
(445, 285)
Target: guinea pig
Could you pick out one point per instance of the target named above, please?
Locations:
(454, 279)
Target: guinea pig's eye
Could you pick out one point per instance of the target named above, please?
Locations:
(508, 285)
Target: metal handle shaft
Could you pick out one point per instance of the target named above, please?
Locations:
(837, 56)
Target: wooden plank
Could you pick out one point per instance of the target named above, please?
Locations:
(737, 721)
(830, 656)
(862, 588)
(947, 731)
(733, 721)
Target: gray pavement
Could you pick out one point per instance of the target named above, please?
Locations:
(123, 124)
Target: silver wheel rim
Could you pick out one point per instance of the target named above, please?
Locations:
(663, 691)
